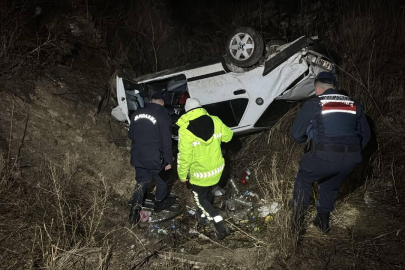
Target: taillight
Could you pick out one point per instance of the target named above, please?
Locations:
(183, 98)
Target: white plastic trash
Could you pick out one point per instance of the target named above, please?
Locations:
(266, 210)
(217, 191)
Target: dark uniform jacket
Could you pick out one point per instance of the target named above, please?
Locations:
(150, 132)
(332, 119)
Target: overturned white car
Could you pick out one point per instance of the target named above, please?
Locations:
(249, 88)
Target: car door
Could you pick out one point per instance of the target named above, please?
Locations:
(128, 97)
(121, 111)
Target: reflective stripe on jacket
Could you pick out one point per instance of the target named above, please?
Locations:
(331, 118)
(201, 159)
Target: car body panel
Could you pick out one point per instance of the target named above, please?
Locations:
(218, 88)
(191, 69)
(269, 87)
(287, 51)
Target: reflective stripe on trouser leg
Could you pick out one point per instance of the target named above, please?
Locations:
(197, 201)
(218, 219)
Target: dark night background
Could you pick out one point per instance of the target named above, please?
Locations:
(64, 163)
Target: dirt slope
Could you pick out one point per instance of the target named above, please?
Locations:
(61, 119)
(53, 123)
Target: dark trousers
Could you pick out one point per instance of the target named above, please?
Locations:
(329, 170)
(204, 199)
(143, 179)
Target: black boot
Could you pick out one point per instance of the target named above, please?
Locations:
(164, 204)
(134, 214)
(222, 230)
(321, 221)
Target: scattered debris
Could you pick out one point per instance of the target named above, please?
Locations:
(241, 200)
(268, 219)
(158, 229)
(265, 210)
(251, 194)
(191, 210)
(368, 200)
(230, 204)
(243, 207)
(158, 217)
(241, 215)
(218, 192)
(145, 215)
(233, 185)
(245, 177)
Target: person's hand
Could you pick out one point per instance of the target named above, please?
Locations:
(168, 167)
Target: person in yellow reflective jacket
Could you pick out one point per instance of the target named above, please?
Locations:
(200, 158)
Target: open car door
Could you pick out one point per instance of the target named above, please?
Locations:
(129, 100)
(121, 111)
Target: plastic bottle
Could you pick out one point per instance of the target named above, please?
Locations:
(233, 185)
(243, 202)
(241, 215)
(230, 204)
(251, 194)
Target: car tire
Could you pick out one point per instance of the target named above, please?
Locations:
(244, 47)
(271, 47)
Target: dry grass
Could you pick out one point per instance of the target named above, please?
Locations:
(6, 180)
(372, 71)
(274, 158)
(70, 237)
(61, 212)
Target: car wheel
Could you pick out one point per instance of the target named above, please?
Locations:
(272, 46)
(244, 47)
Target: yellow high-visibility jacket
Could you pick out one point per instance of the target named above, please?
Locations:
(201, 159)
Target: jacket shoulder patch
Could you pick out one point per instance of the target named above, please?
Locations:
(337, 104)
